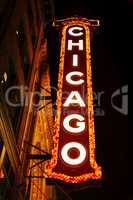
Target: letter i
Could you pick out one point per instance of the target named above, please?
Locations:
(75, 60)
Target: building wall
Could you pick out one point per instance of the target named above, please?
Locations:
(21, 39)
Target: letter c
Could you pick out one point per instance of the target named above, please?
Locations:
(72, 29)
(72, 82)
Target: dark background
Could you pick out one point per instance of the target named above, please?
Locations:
(109, 73)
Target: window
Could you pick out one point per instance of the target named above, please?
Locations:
(8, 169)
(22, 43)
(3, 7)
(8, 80)
(2, 154)
(1, 146)
(37, 14)
(11, 72)
(6, 164)
(31, 24)
(48, 10)
(13, 94)
(3, 77)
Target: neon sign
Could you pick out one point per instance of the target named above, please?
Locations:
(73, 155)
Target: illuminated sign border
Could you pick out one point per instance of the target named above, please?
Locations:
(97, 169)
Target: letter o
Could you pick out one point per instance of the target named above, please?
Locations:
(75, 161)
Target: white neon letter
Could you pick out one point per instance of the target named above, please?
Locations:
(71, 44)
(80, 125)
(72, 82)
(76, 28)
(74, 98)
(68, 147)
(75, 60)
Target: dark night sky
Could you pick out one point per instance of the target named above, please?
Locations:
(109, 74)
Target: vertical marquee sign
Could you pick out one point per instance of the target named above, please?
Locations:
(73, 155)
